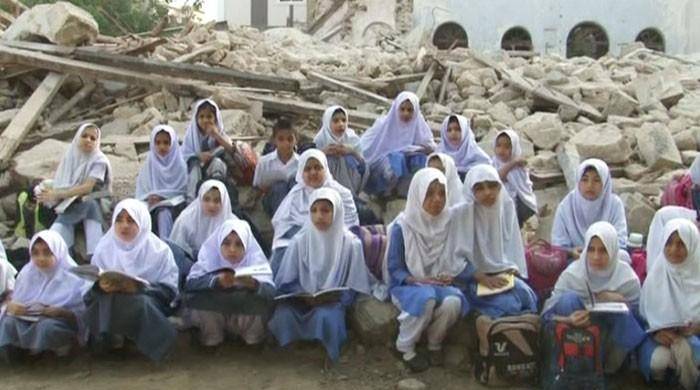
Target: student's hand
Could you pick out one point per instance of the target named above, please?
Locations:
(108, 286)
(341, 150)
(153, 199)
(427, 149)
(16, 309)
(430, 281)
(446, 280)
(210, 128)
(51, 311)
(47, 197)
(245, 282)
(205, 157)
(130, 287)
(520, 162)
(665, 337)
(609, 296)
(226, 279)
(492, 282)
(576, 253)
(330, 150)
(580, 318)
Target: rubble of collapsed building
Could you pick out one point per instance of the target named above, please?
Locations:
(640, 112)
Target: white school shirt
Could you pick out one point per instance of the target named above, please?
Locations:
(271, 169)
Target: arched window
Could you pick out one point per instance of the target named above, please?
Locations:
(587, 39)
(449, 35)
(517, 38)
(652, 39)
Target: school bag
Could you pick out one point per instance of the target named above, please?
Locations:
(244, 175)
(678, 192)
(545, 262)
(32, 216)
(508, 350)
(575, 359)
(639, 263)
(374, 241)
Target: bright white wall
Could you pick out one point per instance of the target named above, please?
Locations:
(237, 12)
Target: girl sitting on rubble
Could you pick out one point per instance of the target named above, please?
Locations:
(133, 307)
(446, 165)
(163, 177)
(396, 146)
(457, 141)
(514, 174)
(591, 201)
(423, 270)
(84, 170)
(323, 255)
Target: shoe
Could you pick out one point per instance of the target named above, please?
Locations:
(436, 358)
(417, 364)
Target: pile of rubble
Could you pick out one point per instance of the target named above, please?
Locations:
(639, 112)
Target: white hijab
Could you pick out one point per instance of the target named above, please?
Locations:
(578, 213)
(194, 140)
(75, 166)
(518, 183)
(325, 135)
(210, 258)
(469, 153)
(390, 134)
(162, 176)
(146, 256)
(493, 240)
(429, 241)
(617, 277)
(294, 209)
(655, 240)
(454, 184)
(320, 260)
(695, 171)
(55, 287)
(671, 292)
(7, 272)
(194, 226)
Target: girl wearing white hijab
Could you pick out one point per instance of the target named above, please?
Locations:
(130, 309)
(446, 165)
(45, 290)
(670, 304)
(610, 280)
(511, 168)
(219, 301)
(396, 145)
(457, 141)
(84, 169)
(494, 245)
(423, 268)
(342, 148)
(323, 255)
(293, 213)
(655, 239)
(591, 201)
(204, 146)
(164, 176)
(7, 274)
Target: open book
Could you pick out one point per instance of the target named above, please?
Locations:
(33, 313)
(94, 273)
(604, 307)
(484, 291)
(65, 203)
(171, 202)
(251, 270)
(329, 294)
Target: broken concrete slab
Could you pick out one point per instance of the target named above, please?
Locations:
(686, 140)
(543, 129)
(61, 23)
(41, 161)
(603, 141)
(374, 321)
(657, 147)
(639, 211)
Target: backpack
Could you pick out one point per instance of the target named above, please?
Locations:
(508, 350)
(575, 359)
(244, 175)
(678, 192)
(639, 263)
(545, 262)
(32, 216)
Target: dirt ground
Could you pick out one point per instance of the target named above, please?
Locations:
(235, 366)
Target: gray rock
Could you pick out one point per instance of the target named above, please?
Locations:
(685, 140)
(374, 321)
(603, 141)
(543, 129)
(656, 147)
(116, 127)
(411, 384)
(7, 116)
(620, 104)
(639, 211)
(240, 122)
(41, 161)
(688, 156)
(502, 113)
(61, 23)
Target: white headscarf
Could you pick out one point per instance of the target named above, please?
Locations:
(146, 256)
(194, 140)
(53, 287)
(320, 260)
(518, 183)
(493, 243)
(468, 153)
(325, 135)
(454, 184)
(162, 176)
(575, 213)
(210, 258)
(294, 209)
(655, 240)
(695, 171)
(390, 134)
(429, 241)
(671, 292)
(194, 226)
(617, 277)
(7, 272)
(75, 166)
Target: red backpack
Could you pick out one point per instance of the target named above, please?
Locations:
(678, 192)
(639, 263)
(545, 262)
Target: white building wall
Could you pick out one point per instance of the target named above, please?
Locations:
(238, 12)
(277, 13)
(550, 21)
